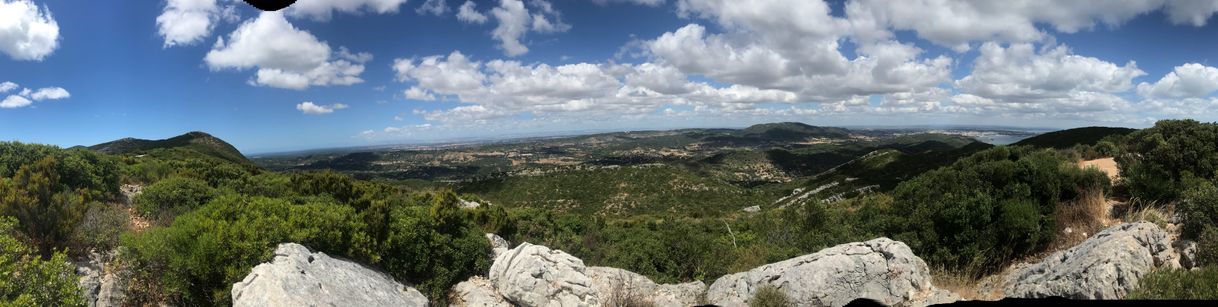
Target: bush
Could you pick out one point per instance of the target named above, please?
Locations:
(166, 199)
(1207, 246)
(433, 247)
(770, 296)
(1199, 207)
(1178, 284)
(28, 280)
(100, 229)
(46, 210)
(986, 209)
(196, 259)
(1156, 160)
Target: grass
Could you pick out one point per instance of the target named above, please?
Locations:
(1177, 284)
(624, 295)
(770, 296)
(1083, 217)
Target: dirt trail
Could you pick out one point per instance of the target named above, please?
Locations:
(1106, 165)
(138, 223)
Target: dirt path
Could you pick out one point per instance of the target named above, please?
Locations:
(1106, 165)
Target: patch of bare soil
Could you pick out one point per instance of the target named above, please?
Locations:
(1106, 165)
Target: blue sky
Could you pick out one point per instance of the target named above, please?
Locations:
(329, 73)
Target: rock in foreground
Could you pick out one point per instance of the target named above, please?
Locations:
(299, 278)
(476, 292)
(881, 269)
(534, 275)
(1106, 266)
(616, 287)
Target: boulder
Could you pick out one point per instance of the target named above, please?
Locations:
(102, 283)
(616, 286)
(1106, 266)
(476, 292)
(534, 275)
(881, 269)
(297, 277)
(498, 245)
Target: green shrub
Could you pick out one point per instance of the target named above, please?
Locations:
(46, 210)
(166, 199)
(195, 260)
(100, 228)
(986, 209)
(28, 280)
(770, 296)
(1178, 284)
(1199, 207)
(433, 247)
(1207, 246)
(1156, 160)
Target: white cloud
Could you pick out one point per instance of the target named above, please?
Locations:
(468, 13)
(7, 86)
(313, 109)
(1190, 80)
(639, 2)
(1020, 73)
(52, 93)
(26, 31)
(956, 24)
(417, 93)
(187, 22)
(14, 101)
(434, 7)
(322, 10)
(285, 56)
(515, 21)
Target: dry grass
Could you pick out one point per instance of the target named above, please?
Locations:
(1079, 219)
(624, 295)
(1138, 210)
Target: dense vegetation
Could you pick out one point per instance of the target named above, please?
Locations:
(968, 209)
(1065, 139)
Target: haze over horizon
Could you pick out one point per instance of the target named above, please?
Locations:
(330, 73)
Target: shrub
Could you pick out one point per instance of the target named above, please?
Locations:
(1156, 160)
(166, 199)
(770, 296)
(1207, 246)
(433, 247)
(45, 209)
(100, 228)
(197, 258)
(28, 280)
(1199, 207)
(986, 209)
(1178, 284)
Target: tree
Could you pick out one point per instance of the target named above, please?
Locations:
(46, 210)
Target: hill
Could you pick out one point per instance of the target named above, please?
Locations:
(1070, 137)
(197, 141)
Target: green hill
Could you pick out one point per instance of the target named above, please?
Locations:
(1070, 137)
(196, 141)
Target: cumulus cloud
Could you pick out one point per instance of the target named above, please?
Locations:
(15, 101)
(1190, 80)
(956, 24)
(27, 97)
(286, 57)
(434, 7)
(27, 32)
(468, 13)
(51, 93)
(7, 86)
(310, 108)
(515, 20)
(639, 2)
(186, 22)
(322, 10)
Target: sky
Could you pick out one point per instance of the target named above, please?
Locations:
(339, 73)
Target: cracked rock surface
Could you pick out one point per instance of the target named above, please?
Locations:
(534, 275)
(1106, 266)
(618, 284)
(881, 269)
(476, 292)
(297, 277)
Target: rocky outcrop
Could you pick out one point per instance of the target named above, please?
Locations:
(297, 277)
(615, 286)
(476, 292)
(534, 275)
(881, 269)
(101, 282)
(1106, 266)
(498, 245)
